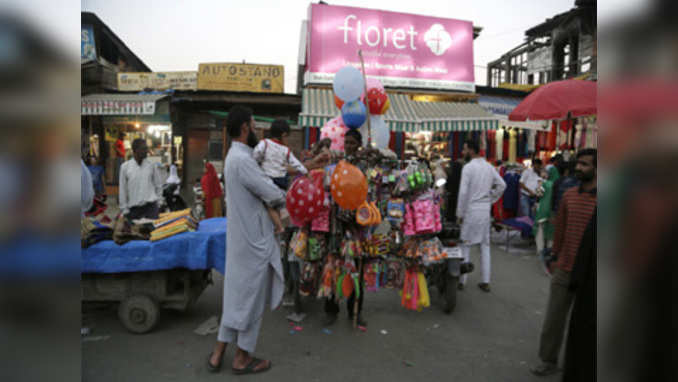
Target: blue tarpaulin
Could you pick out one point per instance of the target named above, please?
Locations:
(202, 249)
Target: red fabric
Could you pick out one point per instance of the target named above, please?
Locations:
(210, 188)
(492, 145)
(556, 99)
(551, 139)
(120, 148)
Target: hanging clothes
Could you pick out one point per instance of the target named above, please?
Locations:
(552, 136)
(483, 143)
(491, 146)
(505, 148)
(513, 145)
(563, 135)
(582, 135)
(512, 193)
(500, 143)
(450, 145)
(531, 141)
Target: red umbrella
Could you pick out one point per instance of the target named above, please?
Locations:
(556, 99)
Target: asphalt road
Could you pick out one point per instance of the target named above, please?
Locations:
(489, 337)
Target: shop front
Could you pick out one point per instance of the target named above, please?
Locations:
(428, 79)
(137, 116)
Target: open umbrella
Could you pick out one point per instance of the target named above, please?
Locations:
(556, 99)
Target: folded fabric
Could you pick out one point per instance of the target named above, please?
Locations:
(167, 216)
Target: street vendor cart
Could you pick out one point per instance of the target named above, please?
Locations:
(144, 276)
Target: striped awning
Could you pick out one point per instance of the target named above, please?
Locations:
(317, 107)
(404, 114)
(454, 116)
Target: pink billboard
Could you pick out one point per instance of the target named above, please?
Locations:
(402, 50)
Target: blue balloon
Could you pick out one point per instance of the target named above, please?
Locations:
(348, 84)
(354, 114)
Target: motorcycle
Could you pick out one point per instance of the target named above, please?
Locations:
(173, 201)
(445, 275)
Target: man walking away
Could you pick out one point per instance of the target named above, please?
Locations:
(254, 276)
(481, 186)
(574, 213)
(529, 183)
(140, 184)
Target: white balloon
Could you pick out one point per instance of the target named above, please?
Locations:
(380, 133)
(348, 84)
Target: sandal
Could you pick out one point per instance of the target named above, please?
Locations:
(212, 368)
(250, 368)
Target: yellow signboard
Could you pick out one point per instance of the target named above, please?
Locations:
(241, 77)
(132, 81)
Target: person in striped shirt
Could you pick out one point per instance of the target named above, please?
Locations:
(574, 213)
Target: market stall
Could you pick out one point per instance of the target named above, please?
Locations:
(138, 116)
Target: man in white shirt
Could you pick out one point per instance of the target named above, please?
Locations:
(480, 187)
(529, 183)
(140, 184)
(275, 158)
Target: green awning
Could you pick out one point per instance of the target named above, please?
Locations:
(454, 116)
(404, 114)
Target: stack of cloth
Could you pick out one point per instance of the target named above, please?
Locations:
(172, 223)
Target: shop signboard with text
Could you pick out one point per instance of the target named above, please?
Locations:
(402, 50)
(132, 81)
(241, 77)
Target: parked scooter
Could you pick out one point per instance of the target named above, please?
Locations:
(199, 201)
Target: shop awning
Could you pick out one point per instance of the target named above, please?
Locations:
(501, 107)
(119, 104)
(318, 107)
(453, 116)
(404, 114)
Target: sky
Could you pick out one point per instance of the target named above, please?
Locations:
(172, 35)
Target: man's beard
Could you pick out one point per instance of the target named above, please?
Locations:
(252, 139)
(584, 177)
(467, 158)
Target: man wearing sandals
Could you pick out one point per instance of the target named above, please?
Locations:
(254, 277)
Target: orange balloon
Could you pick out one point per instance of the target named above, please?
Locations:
(348, 186)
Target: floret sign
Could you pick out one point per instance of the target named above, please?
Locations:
(401, 50)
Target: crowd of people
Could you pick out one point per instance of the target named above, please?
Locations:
(257, 174)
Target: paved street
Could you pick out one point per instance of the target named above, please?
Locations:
(490, 337)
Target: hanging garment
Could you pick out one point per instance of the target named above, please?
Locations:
(500, 143)
(512, 192)
(513, 146)
(492, 144)
(482, 136)
(552, 136)
(505, 148)
(531, 138)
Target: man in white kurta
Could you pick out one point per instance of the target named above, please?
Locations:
(480, 187)
(253, 277)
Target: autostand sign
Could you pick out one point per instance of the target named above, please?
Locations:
(402, 50)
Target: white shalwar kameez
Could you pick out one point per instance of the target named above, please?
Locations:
(253, 277)
(480, 187)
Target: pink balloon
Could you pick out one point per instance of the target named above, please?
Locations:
(335, 130)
